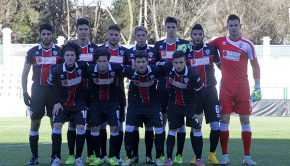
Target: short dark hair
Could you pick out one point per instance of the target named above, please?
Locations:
(197, 27)
(82, 21)
(140, 54)
(178, 54)
(47, 27)
(170, 20)
(102, 52)
(71, 46)
(114, 27)
(233, 17)
(140, 28)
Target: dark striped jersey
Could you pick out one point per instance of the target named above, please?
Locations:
(43, 61)
(152, 53)
(202, 60)
(88, 51)
(142, 90)
(67, 85)
(183, 85)
(103, 85)
(165, 51)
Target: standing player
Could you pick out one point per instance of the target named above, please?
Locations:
(141, 38)
(201, 57)
(66, 88)
(104, 102)
(118, 55)
(166, 48)
(43, 58)
(235, 92)
(88, 48)
(144, 106)
(184, 81)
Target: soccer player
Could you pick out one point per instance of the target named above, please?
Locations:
(141, 37)
(88, 48)
(118, 55)
(201, 57)
(43, 58)
(184, 81)
(144, 106)
(165, 49)
(104, 102)
(66, 88)
(235, 51)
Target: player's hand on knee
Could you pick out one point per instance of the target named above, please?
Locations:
(56, 108)
(27, 99)
(256, 94)
(198, 117)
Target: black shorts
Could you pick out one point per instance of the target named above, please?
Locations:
(76, 117)
(41, 102)
(210, 105)
(176, 114)
(163, 93)
(101, 112)
(150, 116)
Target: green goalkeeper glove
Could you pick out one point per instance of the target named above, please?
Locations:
(183, 47)
(256, 95)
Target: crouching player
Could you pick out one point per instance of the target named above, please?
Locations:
(65, 83)
(182, 103)
(144, 105)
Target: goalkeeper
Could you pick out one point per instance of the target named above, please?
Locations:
(235, 51)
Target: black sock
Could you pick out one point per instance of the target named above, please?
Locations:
(170, 145)
(103, 142)
(56, 144)
(120, 143)
(180, 143)
(197, 144)
(33, 141)
(149, 142)
(164, 138)
(129, 139)
(114, 141)
(96, 145)
(80, 141)
(136, 143)
(90, 150)
(214, 139)
(71, 141)
(159, 145)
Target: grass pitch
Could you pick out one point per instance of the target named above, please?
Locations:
(270, 142)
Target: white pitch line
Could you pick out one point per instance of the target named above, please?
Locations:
(8, 146)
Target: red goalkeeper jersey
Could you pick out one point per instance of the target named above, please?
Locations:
(234, 59)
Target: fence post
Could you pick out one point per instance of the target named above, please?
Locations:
(6, 46)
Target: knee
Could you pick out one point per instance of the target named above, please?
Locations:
(95, 129)
(35, 124)
(57, 126)
(81, 127)
(114, 129)
(214, 125)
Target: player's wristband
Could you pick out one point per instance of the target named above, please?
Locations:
(257, 86)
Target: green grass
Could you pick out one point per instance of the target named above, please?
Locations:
(270, 142)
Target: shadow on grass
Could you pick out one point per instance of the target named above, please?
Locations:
(266, 152)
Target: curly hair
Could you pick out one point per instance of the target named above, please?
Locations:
(71, 46)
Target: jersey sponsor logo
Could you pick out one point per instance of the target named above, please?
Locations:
(107, 81)
(161, 47)
(46, 60)
(116, 59)
(61, 76)
(86, 57)
(241, 45)
(178, 84)
(36, 53)
(71, 82)
(166, 54)
(199, 61)
(189, 55)
(230, 55)
(144, 84)
(224, 43)
(131, 55)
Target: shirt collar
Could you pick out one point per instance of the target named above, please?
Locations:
(64, 68)
(107, 45)
(40, 47)
(204, 45)
(185, 72)
(177, 40)
(134, 48)
(148, 68)
(96, 68)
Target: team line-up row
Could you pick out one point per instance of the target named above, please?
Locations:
(83, 84)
